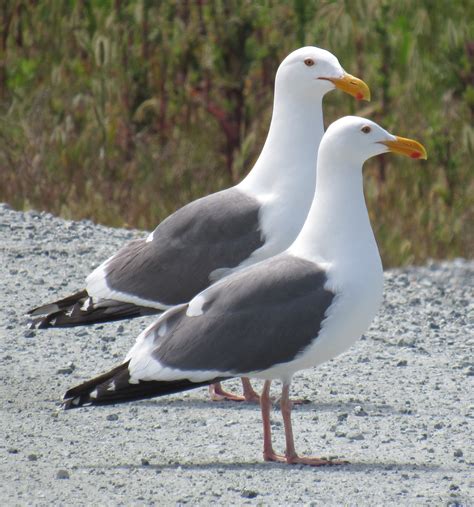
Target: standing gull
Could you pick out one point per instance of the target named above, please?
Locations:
(270, 320)
(229, 230)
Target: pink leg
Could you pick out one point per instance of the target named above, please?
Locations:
(266, 405)
(290, 453)
(249, 394)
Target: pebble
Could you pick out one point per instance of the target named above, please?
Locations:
(62, 474)
(359, 411)
(67, 370)
(355, 436)
(112, 417)
(248, 493)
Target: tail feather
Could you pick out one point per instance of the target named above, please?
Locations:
(76, 310)
(115, 387)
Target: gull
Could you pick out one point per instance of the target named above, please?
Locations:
(224, 232)
(270, 320)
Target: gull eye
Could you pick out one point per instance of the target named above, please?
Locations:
(309, 62)
(366, 129)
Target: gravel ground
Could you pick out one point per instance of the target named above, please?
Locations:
(399, 405)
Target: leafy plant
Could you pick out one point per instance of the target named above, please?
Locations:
(124, 111)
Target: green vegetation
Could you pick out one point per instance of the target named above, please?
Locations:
(123, 111)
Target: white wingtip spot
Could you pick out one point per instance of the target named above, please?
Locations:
(195, 306)
(149, 239)
(93, 394)
(87, 305)
(111, 386)
(162, 329)
(75, 401)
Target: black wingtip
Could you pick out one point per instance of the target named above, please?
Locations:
(69, 403)
(42, 322)
(61, 304)
(115, 387)
(87, 392)
(79, 310)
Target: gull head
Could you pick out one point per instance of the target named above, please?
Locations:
(312, 72)
(353, 140)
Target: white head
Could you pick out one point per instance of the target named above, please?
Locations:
(352, 140)
(338, 216)
(311, 72)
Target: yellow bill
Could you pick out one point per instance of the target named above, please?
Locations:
(351, 85)
(407, 147)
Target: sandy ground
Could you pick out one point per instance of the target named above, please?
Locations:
(398, 405)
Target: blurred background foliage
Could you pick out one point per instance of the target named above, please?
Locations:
(123, 111)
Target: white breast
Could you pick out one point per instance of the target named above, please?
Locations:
(358, 298)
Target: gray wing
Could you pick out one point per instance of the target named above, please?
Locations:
(264, 315)
(217, 231)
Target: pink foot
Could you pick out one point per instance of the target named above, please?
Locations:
(218, 394)
(272, 456)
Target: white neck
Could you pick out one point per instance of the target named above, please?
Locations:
(287, 162)
(337, 228)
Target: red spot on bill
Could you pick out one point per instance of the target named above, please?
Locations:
(359, 96)
(415, 154)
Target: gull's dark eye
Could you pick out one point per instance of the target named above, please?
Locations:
(309, 62)
(366, 129)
